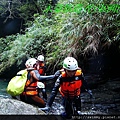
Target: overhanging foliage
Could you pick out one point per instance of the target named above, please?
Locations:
(62, 34)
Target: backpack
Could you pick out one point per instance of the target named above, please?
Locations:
(16, 85)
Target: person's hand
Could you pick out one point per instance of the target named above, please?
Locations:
(57, 73)
(90, 92)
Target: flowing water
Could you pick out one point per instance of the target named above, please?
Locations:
(3, 86)
(56, 109)
(104, 102)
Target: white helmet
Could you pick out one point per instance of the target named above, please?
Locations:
(70, 63)
(30, 63)
(40, 58)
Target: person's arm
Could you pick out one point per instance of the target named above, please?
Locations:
(85, 85)
(57, 73)
(37, 76)
(45, 68)
(37, 65)
(54, 92)
(52, 95)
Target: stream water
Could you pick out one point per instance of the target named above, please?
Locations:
(3, 86)
(106, 101)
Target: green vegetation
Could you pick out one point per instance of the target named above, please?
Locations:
(24, 9)
(58, 35)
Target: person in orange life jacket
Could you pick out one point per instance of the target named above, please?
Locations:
(69, 84)
(41, 65)
(30, 93)
(42, 68)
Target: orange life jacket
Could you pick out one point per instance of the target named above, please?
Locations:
(70, 89)
(41, 69)
(30, 87)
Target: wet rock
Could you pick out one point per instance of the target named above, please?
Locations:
(16, 107)
(18, 110)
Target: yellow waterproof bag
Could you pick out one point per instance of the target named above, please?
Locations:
(16, 85)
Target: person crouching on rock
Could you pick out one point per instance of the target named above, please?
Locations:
(30, 93)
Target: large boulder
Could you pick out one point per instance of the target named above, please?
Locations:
(16, 107)
(18, 110)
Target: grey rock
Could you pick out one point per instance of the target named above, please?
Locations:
(16, 107)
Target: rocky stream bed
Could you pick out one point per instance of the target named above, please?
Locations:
(106, 101)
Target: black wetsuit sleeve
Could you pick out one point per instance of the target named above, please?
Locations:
(84, 83)
(43, 78)
(54, 91)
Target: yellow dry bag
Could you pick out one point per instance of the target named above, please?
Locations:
(16, 85)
